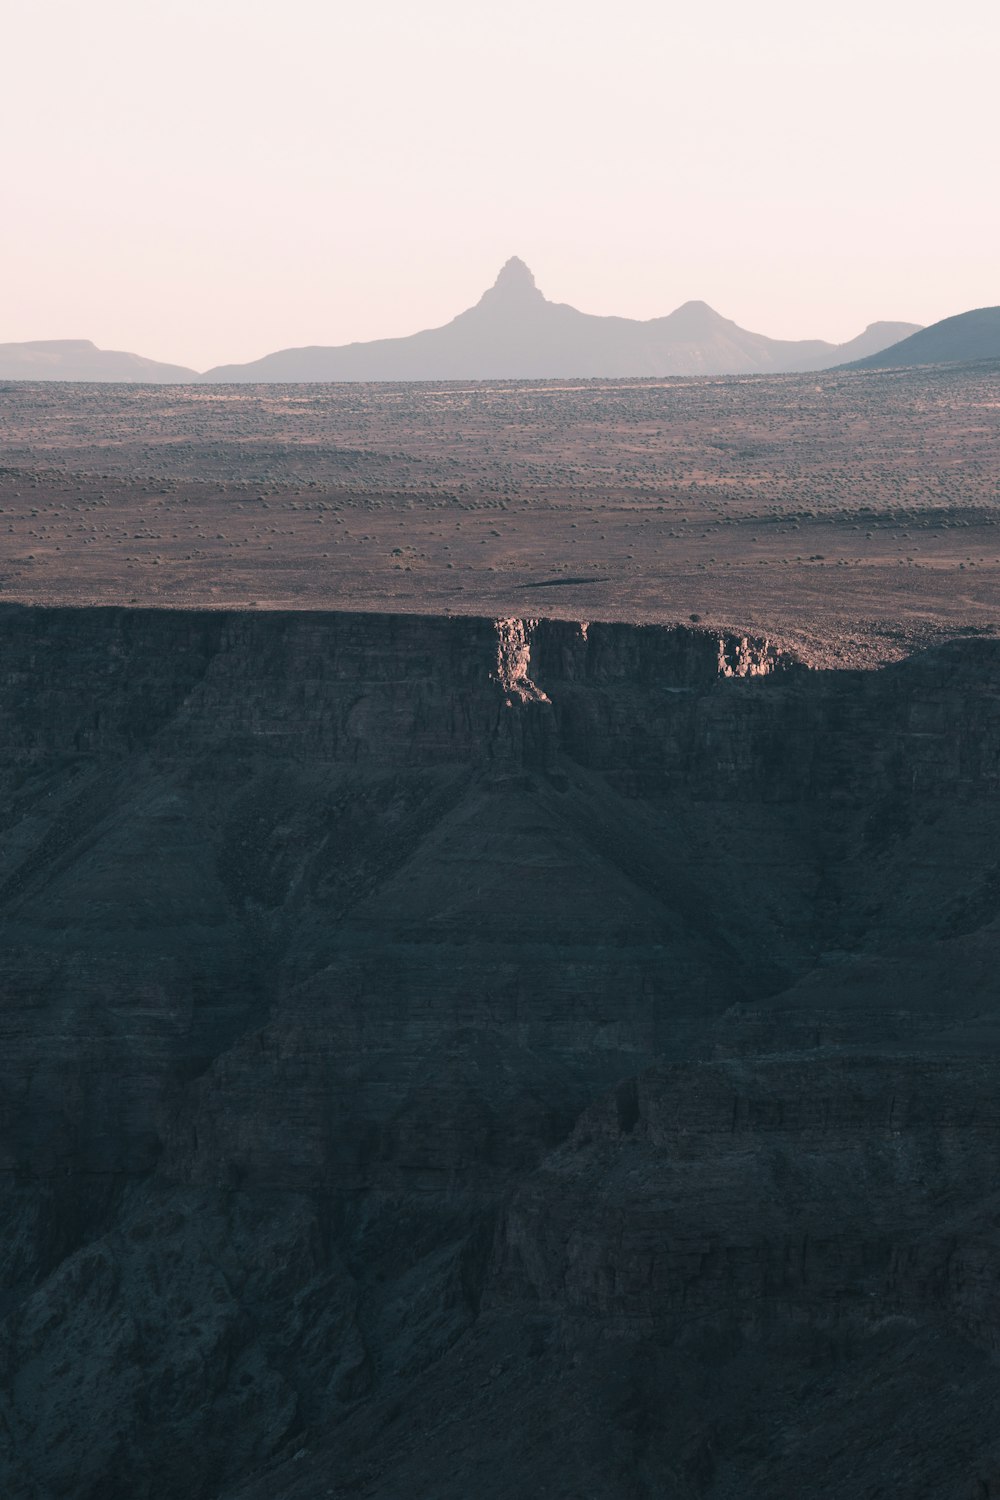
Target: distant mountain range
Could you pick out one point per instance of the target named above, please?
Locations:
(966, 337)
(515, 333)
(79, 359)
(512, 333)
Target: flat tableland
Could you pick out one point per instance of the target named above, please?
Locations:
(853, 516)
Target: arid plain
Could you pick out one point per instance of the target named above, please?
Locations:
(851, 516)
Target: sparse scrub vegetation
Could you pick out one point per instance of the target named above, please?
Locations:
(297, 496)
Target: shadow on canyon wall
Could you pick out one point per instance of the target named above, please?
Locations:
(450, 1056)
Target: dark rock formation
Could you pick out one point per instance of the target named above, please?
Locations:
(450, 1057)
(961, 339)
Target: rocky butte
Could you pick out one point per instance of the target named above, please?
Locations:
(454, 1057)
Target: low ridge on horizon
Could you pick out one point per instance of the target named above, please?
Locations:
(962, 339)
(514, 332)
(81, 360)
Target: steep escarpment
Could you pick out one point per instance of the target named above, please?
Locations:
(426, 1042)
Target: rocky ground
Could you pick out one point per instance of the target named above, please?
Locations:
(453, 1047)
(447, 1057)
(852, 515)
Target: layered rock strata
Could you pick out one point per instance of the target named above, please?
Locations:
(451, 1056)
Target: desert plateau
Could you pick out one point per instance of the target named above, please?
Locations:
(852, 516)
(500, 901)
(499, 751)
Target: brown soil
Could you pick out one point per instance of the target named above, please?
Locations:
(850, 516)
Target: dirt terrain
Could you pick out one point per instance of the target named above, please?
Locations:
(463, 1046)
(852, 516)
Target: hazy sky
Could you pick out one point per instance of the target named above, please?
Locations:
(208, 180)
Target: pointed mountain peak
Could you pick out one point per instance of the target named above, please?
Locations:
(697, 312)
(514, 287)
(515, 277)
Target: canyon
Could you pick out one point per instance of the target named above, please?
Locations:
(494, 1055)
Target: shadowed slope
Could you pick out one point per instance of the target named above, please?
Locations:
(456, 1056)
(966, 337)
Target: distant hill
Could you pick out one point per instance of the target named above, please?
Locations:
(79, 359)
(958, 340)
(515, 333)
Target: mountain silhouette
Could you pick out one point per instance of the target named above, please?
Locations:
(79, 359)
(512, 333)
(515, 333)
(960, 339)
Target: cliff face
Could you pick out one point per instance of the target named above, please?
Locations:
(424, 1038)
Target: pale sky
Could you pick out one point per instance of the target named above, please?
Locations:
(209, 180)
